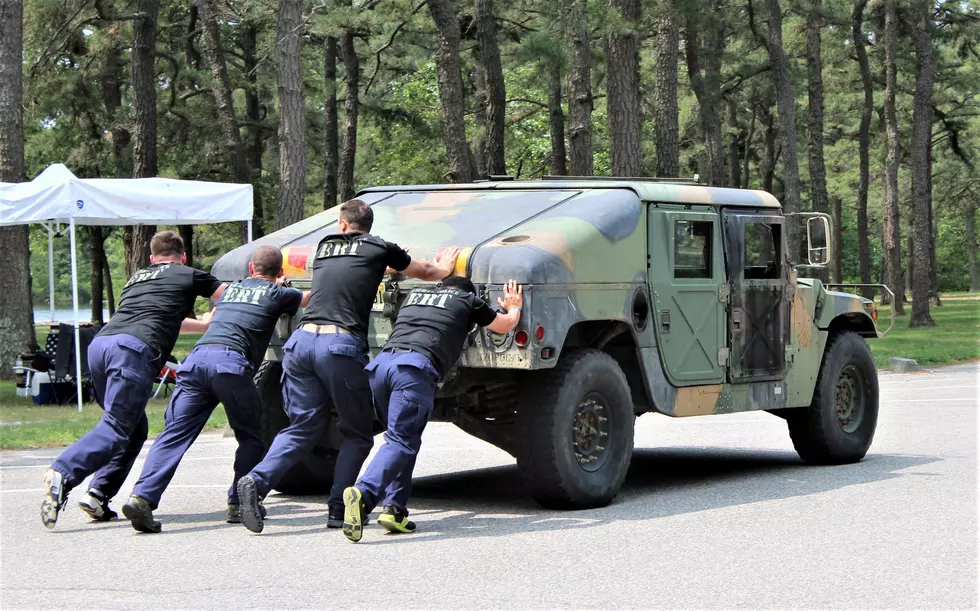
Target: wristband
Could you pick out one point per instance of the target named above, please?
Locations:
(509, 310)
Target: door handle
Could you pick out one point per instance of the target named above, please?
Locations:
(736, 321)
(665, 321)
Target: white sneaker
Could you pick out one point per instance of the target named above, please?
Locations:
(95, 505)
(55, 497)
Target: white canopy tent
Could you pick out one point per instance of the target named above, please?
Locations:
(56, 196)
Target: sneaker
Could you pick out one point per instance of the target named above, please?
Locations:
(96, 506)
(335, 516)
(55, 497)
(353, 514)
(140, 514)
(395, 521)
(249, 508)
(234, 514)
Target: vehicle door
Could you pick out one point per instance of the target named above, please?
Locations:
(685, 273)
(761, 294)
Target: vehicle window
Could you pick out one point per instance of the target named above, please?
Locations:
(762, 251)
(692, 249)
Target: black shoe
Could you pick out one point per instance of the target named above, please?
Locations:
(395, 521)
(97, 506)
(248, 497)
(55, 497)
(234, 514)
(138, 511)
(335, 516)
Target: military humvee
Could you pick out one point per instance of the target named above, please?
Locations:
(640, 296)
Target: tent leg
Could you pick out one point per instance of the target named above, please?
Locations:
(74, 303)
(50, 271)
(249, 231)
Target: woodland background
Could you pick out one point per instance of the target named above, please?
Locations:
(869, 110)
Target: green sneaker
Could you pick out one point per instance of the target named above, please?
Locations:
(353, 514)
(395, 521)
(138, 511)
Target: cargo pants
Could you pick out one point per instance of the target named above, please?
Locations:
(404, 386)
(123, 369)
(211, 374)
(322, 372)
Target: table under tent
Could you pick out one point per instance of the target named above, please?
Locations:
(57, 197)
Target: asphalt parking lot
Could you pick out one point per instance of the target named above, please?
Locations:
(715, 512)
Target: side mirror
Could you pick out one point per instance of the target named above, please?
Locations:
(817, 241)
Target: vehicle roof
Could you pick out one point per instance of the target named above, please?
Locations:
(652, 190)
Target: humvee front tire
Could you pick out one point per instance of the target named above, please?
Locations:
(576, 423)
(312, 475)
(839, 424)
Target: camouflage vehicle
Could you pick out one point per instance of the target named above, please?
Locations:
(640, 296)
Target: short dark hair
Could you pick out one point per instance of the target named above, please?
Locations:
(458, 282)
(358, 214)
(166, 244)
(267, 261)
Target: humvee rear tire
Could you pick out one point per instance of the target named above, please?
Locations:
(312, 475)
(839, 424)
(576, 423)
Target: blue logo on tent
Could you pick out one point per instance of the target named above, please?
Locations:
(80, 204)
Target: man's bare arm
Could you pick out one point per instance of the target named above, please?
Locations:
(197, 325)
(219, 292)
(426, 270)
(512, 302)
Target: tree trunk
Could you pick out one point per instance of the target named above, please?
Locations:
(96, 244)
(107, 279)
(579, 90)
(16, 306)
(292, 120)
(706, 58)
(665, 97)
(348, 149)
(623, 78)
(496, 98)
(933, 237)
(221, 88)
(837, 260)
(747, 149)
(144, 92)
(768, 168)
(893, 231)
(921, 169)
(112, 78)
(736, 136)
(255, 145)
(556, 121)
(479, 146)
(331, 160)
(187, 235)
(864, 144)
(787, 118)
(971, 246)
(815, 107)
(451, 92)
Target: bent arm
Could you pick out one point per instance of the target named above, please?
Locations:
(219, 292)
(426, 270)
(306, 299)
(197, 325)
(505, 323)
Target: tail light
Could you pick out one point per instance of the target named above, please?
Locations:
(539, 333)
(521, 338)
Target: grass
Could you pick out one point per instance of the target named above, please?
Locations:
(25, 425)
(954, 339)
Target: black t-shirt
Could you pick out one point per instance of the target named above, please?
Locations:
(247, 314)
(346, 273)
(156, 300)
(436, 321)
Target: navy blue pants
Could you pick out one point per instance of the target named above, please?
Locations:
(322, 373)
(404, 386)
(123, 369)
(210, 375)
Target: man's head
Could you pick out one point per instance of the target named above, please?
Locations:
(167, 247)
(355, 215)
(266, 261)
(459, 283)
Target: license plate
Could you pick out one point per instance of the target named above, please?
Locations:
(379, 299)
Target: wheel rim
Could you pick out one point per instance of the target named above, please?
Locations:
(590, 432)
(849, 399)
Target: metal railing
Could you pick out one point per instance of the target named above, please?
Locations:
(891, 321)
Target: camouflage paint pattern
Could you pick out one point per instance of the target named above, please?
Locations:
(580, 249)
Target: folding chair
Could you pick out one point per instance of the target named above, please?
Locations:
(168, 375)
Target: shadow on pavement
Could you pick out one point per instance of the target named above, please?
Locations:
(660, 483)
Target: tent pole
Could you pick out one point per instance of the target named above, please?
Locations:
(50, 271)
(74, 303)
(250, 231)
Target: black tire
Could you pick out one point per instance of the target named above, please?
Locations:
(839, 424)
(312, 475)
(560, 420)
